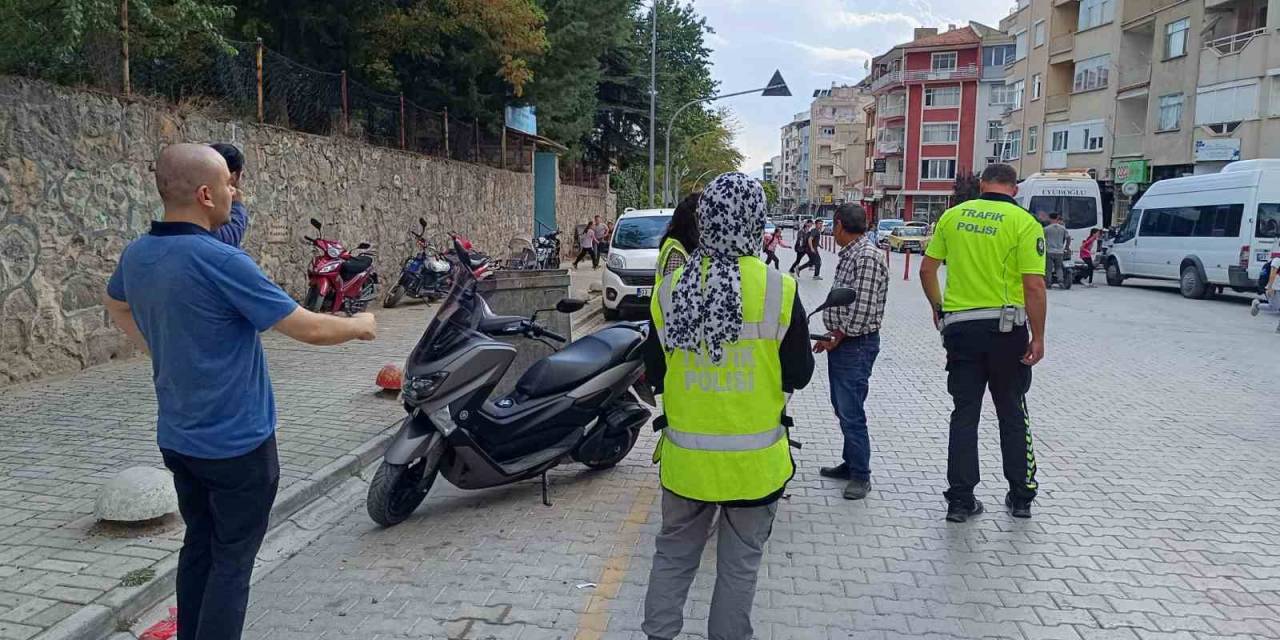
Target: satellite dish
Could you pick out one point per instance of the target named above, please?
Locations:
(1129, 189)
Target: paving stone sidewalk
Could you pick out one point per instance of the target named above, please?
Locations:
(1156, 435)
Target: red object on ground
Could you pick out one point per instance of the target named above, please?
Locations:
(906, 268)
(163, 630)
(390, 378)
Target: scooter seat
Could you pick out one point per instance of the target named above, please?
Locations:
(354, 266)
(578, 362)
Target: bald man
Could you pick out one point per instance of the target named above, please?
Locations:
(197, 305)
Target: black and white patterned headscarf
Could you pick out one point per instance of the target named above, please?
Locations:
(706, 309)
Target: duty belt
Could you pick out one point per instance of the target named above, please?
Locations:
(956, 317)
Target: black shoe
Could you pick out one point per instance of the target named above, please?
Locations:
(839, 472)
(857, 489)
(958, 511)
(1018, 508)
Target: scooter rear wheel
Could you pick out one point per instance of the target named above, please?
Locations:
(393, 296)
(398, 489)
(621, 447)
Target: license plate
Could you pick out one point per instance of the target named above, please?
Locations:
(644, 293)
(1262, 256)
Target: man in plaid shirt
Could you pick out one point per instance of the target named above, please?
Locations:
(853, 344)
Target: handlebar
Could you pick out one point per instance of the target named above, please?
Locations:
(540, 331)
(309, 239)
(820, 337)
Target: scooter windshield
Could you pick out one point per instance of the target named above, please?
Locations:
(460, 313)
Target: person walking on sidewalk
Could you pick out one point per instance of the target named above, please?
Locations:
(732, 341)
(802, 248)
(197, 305)
(1270, 300)
(992, 320)
(771, 244)
(813, 250)
(233, 231)
(1056, 240)
(588, 243)
(853, 344)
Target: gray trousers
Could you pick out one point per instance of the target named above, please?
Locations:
(686, 527)
(1055, 263)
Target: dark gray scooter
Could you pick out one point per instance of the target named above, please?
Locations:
(575, 404)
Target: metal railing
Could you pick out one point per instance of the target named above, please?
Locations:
(1062, 43)
(888, 79)
(889, 146)
(1057, 102)
(893, 78)
(892, 110)
(1234, 43)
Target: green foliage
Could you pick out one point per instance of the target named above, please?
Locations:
(72, 40)
(770, 193)
(966, 187)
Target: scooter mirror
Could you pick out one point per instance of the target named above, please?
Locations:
(570, 305)
(838, 297)
(316, 223)
(423, 222)
(362, 246)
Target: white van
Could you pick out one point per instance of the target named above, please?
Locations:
(633, 258)
(1072, 193)
(1207, 232)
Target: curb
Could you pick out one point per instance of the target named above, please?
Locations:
(102, 619)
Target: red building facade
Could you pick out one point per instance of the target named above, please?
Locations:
(926, 121)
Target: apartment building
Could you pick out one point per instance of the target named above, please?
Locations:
(766, 173)
(997, 52)
(926, 95)
(793, 179)
(834, 115)
(1237, 96)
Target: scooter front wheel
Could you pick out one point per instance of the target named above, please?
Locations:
(393, 296)
(398, 489)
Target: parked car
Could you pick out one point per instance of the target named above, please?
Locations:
(884, 228)
(828, 227)
(633, 258)
(1205, 232)
(909, 239)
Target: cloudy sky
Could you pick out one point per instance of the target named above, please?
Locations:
(814, 43)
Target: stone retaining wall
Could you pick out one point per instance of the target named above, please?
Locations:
(76, 186)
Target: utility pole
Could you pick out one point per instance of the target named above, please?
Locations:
(653, 101)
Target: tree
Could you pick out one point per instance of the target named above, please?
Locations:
(770, 193)
(966, 187)
(79, 40)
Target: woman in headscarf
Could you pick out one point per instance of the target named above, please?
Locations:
(681, 237)
(731, 342)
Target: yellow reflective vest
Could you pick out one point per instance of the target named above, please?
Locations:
(724, 439)
(664, 252)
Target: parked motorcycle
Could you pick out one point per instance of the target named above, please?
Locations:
(337, 280)
(575, 404)
(546, 249)
(464, 253)
(424, 275)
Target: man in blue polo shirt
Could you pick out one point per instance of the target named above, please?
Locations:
(197, 305)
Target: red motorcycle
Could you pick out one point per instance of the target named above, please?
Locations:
(337, 280)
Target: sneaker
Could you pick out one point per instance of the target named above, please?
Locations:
(857, 489)
(1017, 508)
(1253, 307)
(839, 472)
(958, 511)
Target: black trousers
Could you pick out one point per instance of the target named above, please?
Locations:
(587, 251)
(771, 258)
(815, 261)
(980, 358)
(226, 504)
(800, 256)
(1089, 266)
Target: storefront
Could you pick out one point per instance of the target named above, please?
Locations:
(1127, 172)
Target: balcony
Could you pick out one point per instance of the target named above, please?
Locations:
(893, 78)
(892, 110)
(1133, 75)
(1129, 144)
(889, 147)
(887, 180)
(1139, 9)
(1234, 43)
(993, 73)
(1057, 102)
(1238, 56)
(1062, 44)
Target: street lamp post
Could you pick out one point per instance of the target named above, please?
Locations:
(653, 99)
(776, 87)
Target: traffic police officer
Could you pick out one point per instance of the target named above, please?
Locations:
(995, 256)
(681, 238)
(731, 342)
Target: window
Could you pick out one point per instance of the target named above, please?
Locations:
(942, 97)
(1096, 12)
(1170, 112)
(1205, 221)
(942, 133)
(1020, 45)
(1013, 145)
(995, 130)
(927, 209)
(1037, 85)
(997, 56)
(1019, 88)
(1093, 139)
(1002, 95)
(1039, 33)
(1175, 38)
(1078, 212)
(1092, 73)
(944, 61)
(827, 132)
(1058, 141)
(1033, 139)
(937, 169)
(1268, 221)
(1230, 104)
